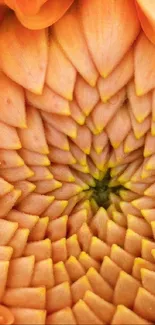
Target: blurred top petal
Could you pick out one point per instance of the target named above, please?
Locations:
(3, 10)
(27, 7)
(146, 13)
(38, 14)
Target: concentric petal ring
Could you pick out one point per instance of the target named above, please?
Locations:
(77, 169)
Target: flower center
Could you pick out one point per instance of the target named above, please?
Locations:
(102, 190)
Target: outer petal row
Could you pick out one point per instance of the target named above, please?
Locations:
(37, 14)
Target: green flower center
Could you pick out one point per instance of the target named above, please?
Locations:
(102, 190)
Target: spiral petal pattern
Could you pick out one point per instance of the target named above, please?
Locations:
(77, 112)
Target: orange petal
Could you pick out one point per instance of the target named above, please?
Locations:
(33, 158)
(28, 316)
(121, 121)
(19, 241)
(16, 174)
(56, 155)
(57, 229)
(24, 220)
(83, 139)
(144, 65)
(84, 314)
(64, 124)
(43, 274)
(40, 173)
(105, 24)
(77, 113)
(39, 231)
(12, 99)
(33, 137)
(3, 277)
(141, 106)
(7, 202)
(146, 10)
(35, 203)
(48, 101)
(78, 154)
(56, 209)
(86, 96)
(63, 316)
(6, 315)
(48, 14)
(5, 187)
(10, 158)
(46, 186)
(67, 191)
(24, 266)
(69, 35)
(122, 73)
(25, 187)
(56, 138)
(7, 231)
(8, 137)
(23, 54)
(27, 7)
(59, 297)
(61, 74)
(41, 249)
(124, 315)
(103, 113)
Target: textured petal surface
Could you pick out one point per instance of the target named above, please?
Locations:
(77, 163)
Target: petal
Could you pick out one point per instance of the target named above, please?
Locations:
(105, 24)
(49, 101)
(64, 124)
(35, 203)
(103, 113)
(10, 158)
(84, 314)
(62, 173)
(3, 10)
(121, 121)
(141, 106)
(86, 96)
(40, 229)
(12, 99)
(56, 138)
(68, 33)
(33, 158)
(144, 65)
(7, 202)
(16, 174)
(8, 137)
(123, 315)
(23, 55)
(61, 74)
(44, 187)
(33, 138)
(146, 14)
(64, 316)
(48, 14)
(122, 73)
(27, 7)
(29, 316)
(56, 209)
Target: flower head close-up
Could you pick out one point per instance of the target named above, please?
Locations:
(77, 162)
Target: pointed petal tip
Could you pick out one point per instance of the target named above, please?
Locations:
(139, 92)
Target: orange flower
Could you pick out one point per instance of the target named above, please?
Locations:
(77, 162)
